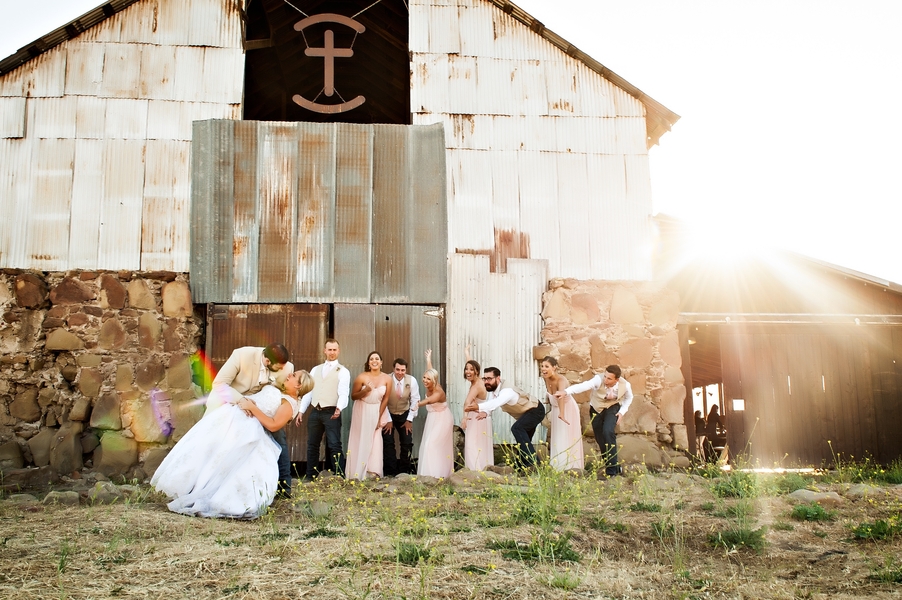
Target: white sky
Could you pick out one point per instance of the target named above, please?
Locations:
(789, 133)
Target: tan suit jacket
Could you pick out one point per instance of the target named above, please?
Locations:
(240, 375)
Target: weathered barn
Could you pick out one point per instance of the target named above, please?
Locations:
(401, 174)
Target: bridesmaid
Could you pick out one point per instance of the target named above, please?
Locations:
(370, 395)
(479, 451)
(437, 446)
(566, 432)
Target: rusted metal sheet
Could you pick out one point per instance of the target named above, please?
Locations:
(87, 188)
(311, 199)
(84, 68)
(477, 30)
(189, 74)
(214, 23)
(90, 117)
(52, 117)
(120, 205)
(576, 229)
(14, 173)
(471, 184)
(355, 213)
(12, 118)
(120, 77)
(164, 221)
(46, 76)
(158, 66)
(48, 223)
(223, 75)
(126, 118)
(499, 316)
(540, 216)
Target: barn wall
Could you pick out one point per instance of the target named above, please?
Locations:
(95, 137)
(543, 152)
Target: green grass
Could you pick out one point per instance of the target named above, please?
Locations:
(881, 529)
(651, 507)
(603, 525)
(889, 572)
(408, 553)
(736, 484)
(739, 537)
(787, 483)
(541, 549)
(812, 512)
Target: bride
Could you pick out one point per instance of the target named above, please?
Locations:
(227, 465)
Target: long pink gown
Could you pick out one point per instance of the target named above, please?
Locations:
(365, 440)
(437, 445)
(478, 448)
(566, 440)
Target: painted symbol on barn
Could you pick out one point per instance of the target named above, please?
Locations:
(329, 53)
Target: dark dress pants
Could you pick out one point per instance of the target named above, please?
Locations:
(603, 425)
(281, 438)
(523, 429)
(391, 463)
(319, 423)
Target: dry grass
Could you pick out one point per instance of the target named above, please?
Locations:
(407, 539)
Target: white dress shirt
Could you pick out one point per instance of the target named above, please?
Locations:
(598, 381)
(344, 385)
(498, 398)
(414, 395)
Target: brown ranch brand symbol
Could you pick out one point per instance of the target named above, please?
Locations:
(329, 53)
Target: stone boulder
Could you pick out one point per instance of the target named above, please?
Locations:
(149, 330)
(642, 417)
(40, 446)
(625, 308)
(177, 300)
(822, 498)
(112, 335)
(669, 349)
(65, 453)
(140, 296)
(117, 454)
(106, 413)
(89, 382)
(105, 492)
(146, 424)
(640, 450)
(178, 375)
(112, 292)
(153, 460)
(25, 406)
(31, 291)
(81, 411)
(149, 373)
(60, 340)
(11, 456)
(68, 498)
(71, 291)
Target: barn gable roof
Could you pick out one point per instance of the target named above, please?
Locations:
(659, 119)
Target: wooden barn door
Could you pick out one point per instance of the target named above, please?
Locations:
(302, 328)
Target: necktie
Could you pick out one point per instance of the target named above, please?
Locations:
(611, 394)
(398, 388)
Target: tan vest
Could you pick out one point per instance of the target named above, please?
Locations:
(599, 400)
(524, 403)
(325, 389)
(398, 404)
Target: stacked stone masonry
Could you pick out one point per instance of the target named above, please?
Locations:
(589, 325)
(94, 370)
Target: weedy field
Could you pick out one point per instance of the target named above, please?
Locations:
(704, 534)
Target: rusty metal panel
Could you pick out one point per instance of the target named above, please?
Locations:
(157, 77)
(120, 75)
(120, 205)
(626, 104)
(52, 117)
(12, 118)
(471, 182)
(90, 117)
(163, 224)
(212, 227)
(316, 238)
(48, 226)
(246, 237)
(126, 119)
(477, 31)
(391, 213)
(572, 179)
(173, 25)
(223, 75)
(462, 96)
(189, 74)
(13, 83)
(631, 135)
(499, 315)
(215, 23)
(87, 189)
(46, 75)
(540, 216)
(276, 268)
(355, 214)
(443, 25)
(418, 41)
(84, 68)
(607, 181)
(15, 159)
(595, 92)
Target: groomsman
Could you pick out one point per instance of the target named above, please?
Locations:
(527, 411)
(332, 383)
(403, 402)
(246, 371)
(611, 398)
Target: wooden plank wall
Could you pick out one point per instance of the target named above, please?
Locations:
(813, 394)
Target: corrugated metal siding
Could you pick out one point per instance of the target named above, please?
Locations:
(529, 128)
(499, 315)
(349, 213)
(12, 118)
(110, 112)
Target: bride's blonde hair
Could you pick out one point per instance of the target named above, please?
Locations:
(305, 383)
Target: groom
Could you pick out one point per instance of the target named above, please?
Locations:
(246, 371)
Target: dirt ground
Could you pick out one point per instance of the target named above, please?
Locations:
(669, 535)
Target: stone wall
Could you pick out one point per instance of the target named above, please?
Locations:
(94, 370)
(592, 324)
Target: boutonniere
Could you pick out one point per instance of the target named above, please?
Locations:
(272, 378)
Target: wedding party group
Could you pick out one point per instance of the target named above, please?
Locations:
(235, 461)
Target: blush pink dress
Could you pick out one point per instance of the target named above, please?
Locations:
(437, 446)
(566, 440)
(479, 452)
(365, 440)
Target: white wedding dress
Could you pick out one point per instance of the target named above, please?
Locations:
(226, 465)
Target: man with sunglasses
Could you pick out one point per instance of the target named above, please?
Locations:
(527, 412)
